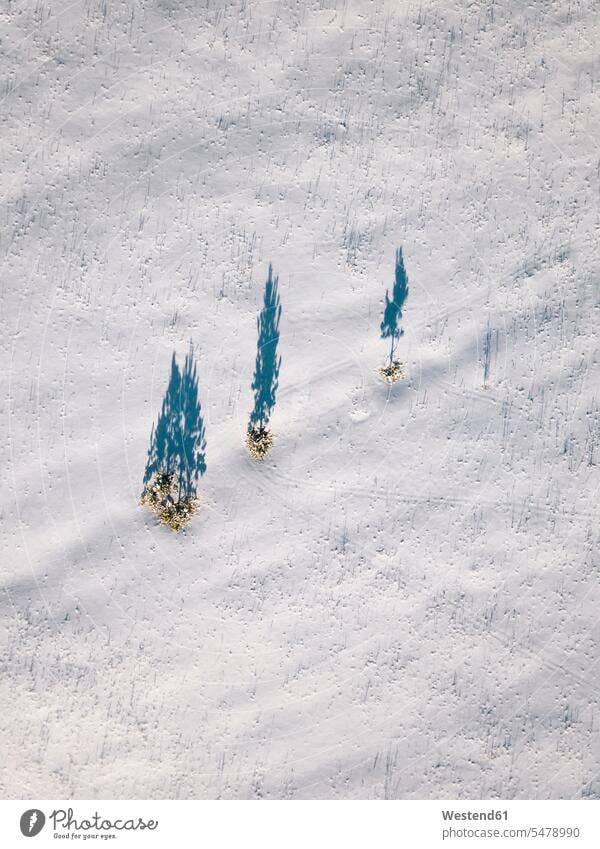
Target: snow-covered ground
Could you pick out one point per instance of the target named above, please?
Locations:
(402, 600)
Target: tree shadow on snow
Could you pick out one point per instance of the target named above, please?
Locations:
(393, 307)
(178, 442)
(266, 370)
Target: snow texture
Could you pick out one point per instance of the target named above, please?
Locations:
(402, 599)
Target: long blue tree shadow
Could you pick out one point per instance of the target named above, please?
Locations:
(178, 442)
(393, 308)
(266, 370)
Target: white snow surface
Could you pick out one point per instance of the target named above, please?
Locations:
(402, 599)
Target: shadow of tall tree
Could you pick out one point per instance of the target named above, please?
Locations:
(392, 313)
(266, 370)
(176, 457)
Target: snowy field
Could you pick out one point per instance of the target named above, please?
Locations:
(402, 599)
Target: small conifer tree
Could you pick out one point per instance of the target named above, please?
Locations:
(392, 313)
(266, 370)
(176, 457)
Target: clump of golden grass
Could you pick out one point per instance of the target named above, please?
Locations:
(170, 507)
(258, 441)
(392, 372)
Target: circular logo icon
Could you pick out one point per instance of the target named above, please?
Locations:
(32, 822)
